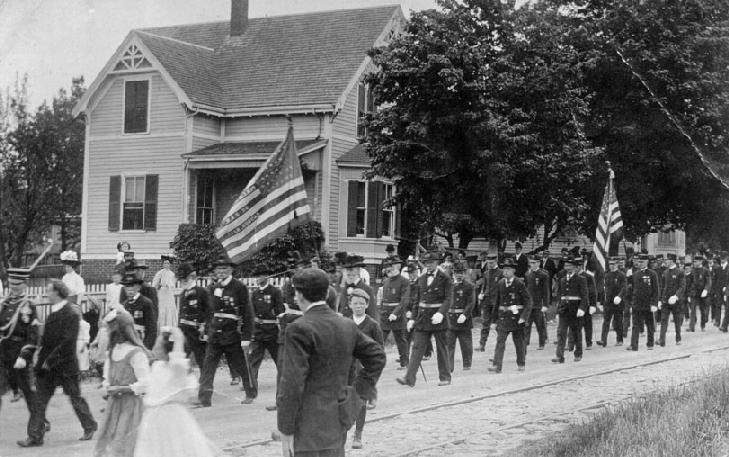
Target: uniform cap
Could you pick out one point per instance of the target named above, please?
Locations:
(134, 264)
(184, 270)
(671, 257)
(699, 257)
(223, 261)
(357, 292)
(130, 279)
(508, 262)
(643, 257)
(392, 261)
(572, 260)
(353, 261)
(459, 267)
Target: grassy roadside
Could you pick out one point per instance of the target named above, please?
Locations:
(691, 420)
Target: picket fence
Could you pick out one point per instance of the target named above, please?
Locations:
(97, 293)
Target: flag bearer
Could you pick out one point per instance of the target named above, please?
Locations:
(460, 320)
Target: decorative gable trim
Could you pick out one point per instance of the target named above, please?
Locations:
(132, 41)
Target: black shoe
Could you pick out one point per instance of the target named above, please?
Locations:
(403, 382)
(466, 368)
(678, 343)
(271, 408)
(401, 367)
(200, 404)
(555, 360)
(650, 348)
(30, 442)
(426, 357)
(235, 381)
(630, 348)
(619, 343)
(723, 329)
(494, 369)
(48, 427)
(444, 383)
(247, 401)
(16, 397)
(540, 348)
(482, 347)
(577, 359)
(88, 435)
(588, 347)
(491, 361)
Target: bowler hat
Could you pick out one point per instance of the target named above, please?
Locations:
(353, 261)
(392, 261)
(389, 248)
(698, 257)
(134, 264)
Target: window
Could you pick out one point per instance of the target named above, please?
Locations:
(205, 212)
(133, 202)
(365, 105)
(136, 106)
(668, 238)
(367, 214)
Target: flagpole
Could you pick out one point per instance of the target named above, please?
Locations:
(611, 175)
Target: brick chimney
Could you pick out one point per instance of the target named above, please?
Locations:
(238, 17)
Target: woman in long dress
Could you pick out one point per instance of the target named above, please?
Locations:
(168, 428)
(164, 281)
(126, 373)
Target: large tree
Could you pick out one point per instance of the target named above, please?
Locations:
(480, 122)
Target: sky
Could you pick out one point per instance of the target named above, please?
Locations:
(55, 40)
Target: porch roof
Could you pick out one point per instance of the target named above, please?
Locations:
(246, 154)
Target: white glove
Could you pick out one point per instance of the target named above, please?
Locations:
(514, 309)
(392, 318)
(580, 312)
(672, 300)
(544, 309)
(244, 344)
(617, 300)
(704, 293)
(521, 320)
(654, 309)
(437, 318)
(461, 319)
(410, 325)
(20, 363)
(600, 308)
(592, 310)
(660, 304)
(481, 295)
(409, 315)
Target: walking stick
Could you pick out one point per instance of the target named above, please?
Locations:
(423, 371)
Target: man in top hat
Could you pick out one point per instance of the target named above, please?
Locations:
(352, 268)
(573, 302)
(390, 250)
(195, 307)
(615, 291)
(645, 295)
(546, 263)
(141, 309)
(521, 260)
(267, 304)
(460, 320)
(19, 337)
(718, 288)
(513, 305)
(537, 282)
(433, 294)
(674, 288)
(487, 296)
(698, 293)
(71, 278)
(394, 304)
(139, 269)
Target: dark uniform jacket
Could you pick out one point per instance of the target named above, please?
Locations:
(395, 300)
(267, 304)
(346, 295)
(719, 282)
(145, 319)
(58, 344)
(549, 266)
(522, 265)
(232, 316)
(700, 281)
(288, 292)
(591, 290)
(20, 339)
(576, 287)
(507, 295)
(645, 292)
(439, 292)
(319, 350)
(615, 286)
(674, 283)
(537, 283)
(464, 300)
(195, 308)
(490, 281)
(151, 293)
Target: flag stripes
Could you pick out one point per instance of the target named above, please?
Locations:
(608, 223)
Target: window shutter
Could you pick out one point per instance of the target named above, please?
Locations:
(352, 208)
(150, 202)
(372, 209)
(114, 202)
(398, 221)
(380, 205)
(361, 101)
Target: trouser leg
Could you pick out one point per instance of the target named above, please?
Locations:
(608, 317)
(638, 318)
(587, 325)
(517, 335)
(45, 388)
(442, 353)
(207, 374)
(401, 341)
(255, 356)
(527, 334)
(72, 388)
(693, 309)
(541, 324)
(465, 341)
(704, 305)
(725, 320)
(678, 321)
(451, 344)
(485, 325)
(664, 324)
(235, 356)
(619, 324)
(429, 347)
(361, 418)
(561, 336)
(420, 339)
(501, 335)
(575, 328)
(650, 328)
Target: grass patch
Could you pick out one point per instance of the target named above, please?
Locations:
(689, 420)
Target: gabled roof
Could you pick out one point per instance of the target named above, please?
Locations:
(302, 60)
(355, 157)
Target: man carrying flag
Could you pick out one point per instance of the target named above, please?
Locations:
(609, 222)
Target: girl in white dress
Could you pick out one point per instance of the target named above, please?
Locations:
(168, 428)
(164, 281)
(82, 344)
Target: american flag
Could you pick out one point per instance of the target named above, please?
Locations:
(273, 201)
(609, 222)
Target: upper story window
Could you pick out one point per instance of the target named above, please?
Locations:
(136, 106)
(133, 202)
(369, 215)
(365, 105)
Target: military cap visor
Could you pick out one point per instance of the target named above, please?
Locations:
(357, 292)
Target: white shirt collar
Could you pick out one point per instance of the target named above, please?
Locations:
(672, 267)
(226, 281)
(136, 296)
(318, 303)
(359, 320)
(58, 306)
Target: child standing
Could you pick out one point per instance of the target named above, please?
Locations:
(370, 327)
(126, 373)
(168, 428)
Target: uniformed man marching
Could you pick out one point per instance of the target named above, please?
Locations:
(645, 293)
(195, 307)
(395, 303)
(674, 288)
(433, 293)
(460, 320)
(487, 295)
(19, 337)
(698, 294)
(615, 290)
(229, 332)
(573, 303)
(267, 304)
(538, 285)
(141, 309)
(510, 313)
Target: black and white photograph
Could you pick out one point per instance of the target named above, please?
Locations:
(364, 228)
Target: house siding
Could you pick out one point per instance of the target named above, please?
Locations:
(271, 128)
(158, 152)
(206, 125)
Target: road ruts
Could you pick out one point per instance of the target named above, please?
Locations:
(496, 423)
